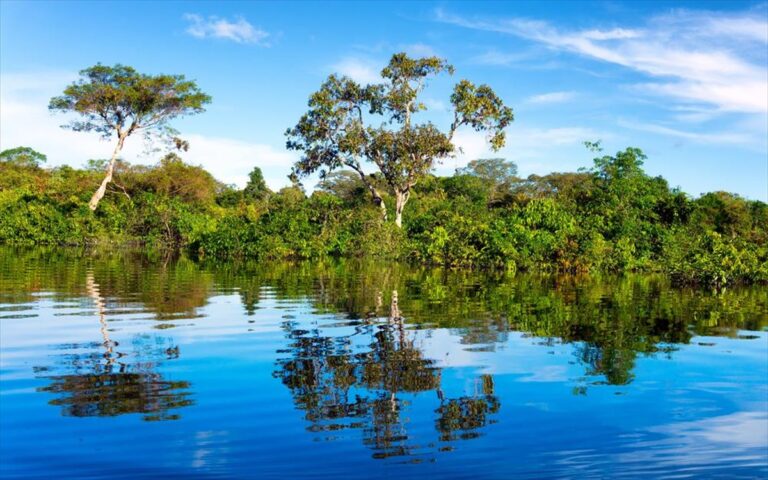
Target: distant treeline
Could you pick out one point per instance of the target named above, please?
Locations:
(612, 217)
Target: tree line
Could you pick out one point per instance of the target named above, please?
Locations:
(610, 217)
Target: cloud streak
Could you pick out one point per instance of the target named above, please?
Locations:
(550, 98)
(359, 70)
(237, 30)
(694, 57)
(728, 138)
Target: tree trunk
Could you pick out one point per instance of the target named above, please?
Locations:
(99, 194)
(401, 198)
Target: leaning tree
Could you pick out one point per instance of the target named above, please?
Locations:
(122, 102)
(348, 124)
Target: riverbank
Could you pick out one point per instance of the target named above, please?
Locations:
(593, 221)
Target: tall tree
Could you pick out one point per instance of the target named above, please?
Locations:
(257, 188)
(120, 101)
(348, 124)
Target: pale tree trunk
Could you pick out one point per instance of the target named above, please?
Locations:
(394, 308)
(99, 194)
(92, 288)
(401, 198)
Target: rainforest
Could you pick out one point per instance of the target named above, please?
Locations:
(611, 218)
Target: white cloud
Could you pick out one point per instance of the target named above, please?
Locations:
(552, 97)
(435, 105)
(535, 149)
(25, 120)
(739, 435)
(419, 50)
(732, 138)
(238, 30)
(231, 160)
(472, 145)
(359, 70)
(495, 57)
(615, 34)
(697, 57)
(747, 96)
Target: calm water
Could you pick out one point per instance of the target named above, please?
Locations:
(117, 367)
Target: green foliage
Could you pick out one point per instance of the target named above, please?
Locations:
(173, 178)
(715, 260)
(256, 189)
(492, 171)
(348, 124)
(120, 99)
(22, 157)
(345, 184)
(614, 218)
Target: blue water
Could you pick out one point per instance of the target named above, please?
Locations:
(126, 368)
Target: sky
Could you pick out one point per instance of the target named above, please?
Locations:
(687, 82)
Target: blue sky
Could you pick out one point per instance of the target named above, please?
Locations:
(685, 81)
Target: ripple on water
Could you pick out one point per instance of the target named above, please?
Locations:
(115, 368)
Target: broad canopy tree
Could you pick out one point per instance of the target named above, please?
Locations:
(119, 101)
(492, 171)
(23, 157)
(340, 129)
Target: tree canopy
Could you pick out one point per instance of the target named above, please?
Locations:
(257, 188)
(23, 157)
(348, 124)
(120, 101)
(493, 171)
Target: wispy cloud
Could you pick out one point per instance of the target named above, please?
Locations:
(535, 149)
(695, 57)
(435, 105)
(419, 50)
(379, 49)
(552, 97)
(729, 138)
(496, 57)
(238, 30)
(358, 69)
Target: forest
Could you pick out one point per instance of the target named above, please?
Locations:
(612, 217)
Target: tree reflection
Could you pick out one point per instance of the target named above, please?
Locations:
(100, 394)
(111, 382)
(461, 417)
(346, 382)
(609, 322)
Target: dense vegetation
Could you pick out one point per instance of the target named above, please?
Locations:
(610, 218)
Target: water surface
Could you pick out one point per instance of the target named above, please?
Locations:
(119, 366)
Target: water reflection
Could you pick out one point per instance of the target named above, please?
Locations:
(610, 322)
(107, 380)
(356, 380)
(403, 363)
